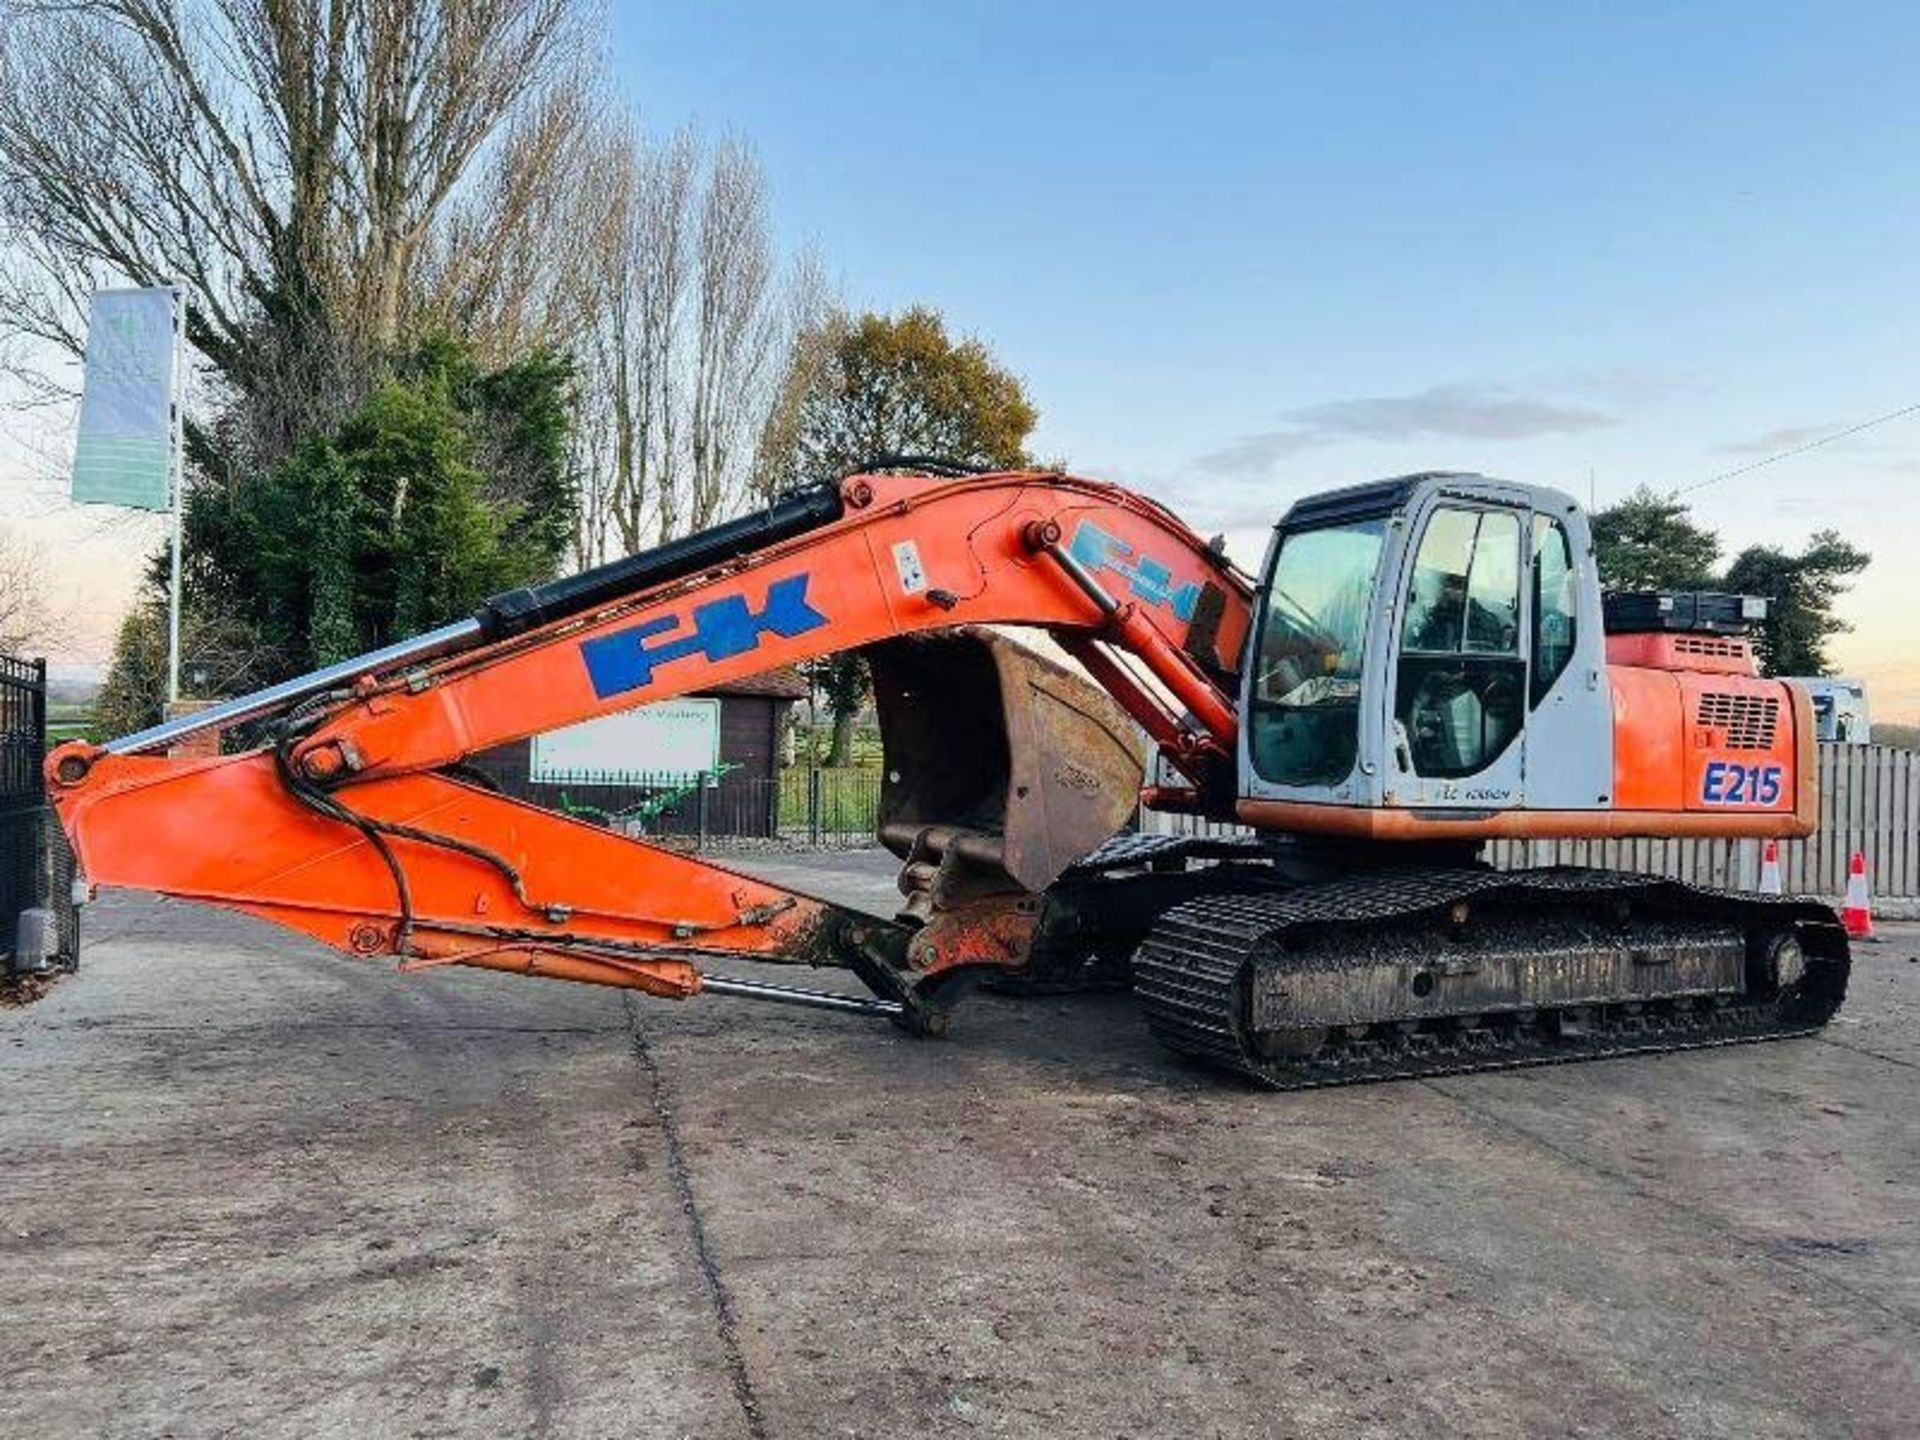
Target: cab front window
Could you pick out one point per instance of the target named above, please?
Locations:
(1304, 721)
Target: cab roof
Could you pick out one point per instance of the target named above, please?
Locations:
(1353, 502)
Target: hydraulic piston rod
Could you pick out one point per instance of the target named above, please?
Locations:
(790, 995)
(459, 635)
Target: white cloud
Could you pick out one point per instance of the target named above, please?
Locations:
(1456, 411)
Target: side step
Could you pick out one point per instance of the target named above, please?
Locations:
(1431, 972)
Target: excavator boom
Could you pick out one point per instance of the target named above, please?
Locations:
(349, 827)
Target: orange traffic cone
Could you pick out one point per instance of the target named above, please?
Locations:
(1857, 915)
(1770, 869)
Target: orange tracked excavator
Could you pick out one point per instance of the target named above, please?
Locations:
(1424, 665)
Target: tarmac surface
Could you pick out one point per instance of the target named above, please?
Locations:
(249, 1187)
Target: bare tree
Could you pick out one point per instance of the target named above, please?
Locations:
(692, 317)
(636, 269)
(433, 82)
(735, 333)
(301, 168)
(813, 328)
(657, 256)
(592, 456)
(511, 267)
(29, 618)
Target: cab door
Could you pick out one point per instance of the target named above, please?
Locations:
(1569, 741)
(1456, 724)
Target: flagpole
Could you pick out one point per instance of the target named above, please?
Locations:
(179, 494)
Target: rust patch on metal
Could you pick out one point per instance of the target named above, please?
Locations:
(367, 938)
(997, 933)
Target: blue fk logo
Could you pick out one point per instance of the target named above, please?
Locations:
(1146, 577)
(719, 629)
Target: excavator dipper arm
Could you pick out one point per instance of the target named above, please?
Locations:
(347, 827)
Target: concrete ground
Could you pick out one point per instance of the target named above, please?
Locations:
(248, 1187)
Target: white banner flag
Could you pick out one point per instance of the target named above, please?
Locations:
(125, 450)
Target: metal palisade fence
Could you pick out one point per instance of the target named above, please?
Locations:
(36, 866)
(1869, 802)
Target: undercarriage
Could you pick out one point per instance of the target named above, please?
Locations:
(1246, 957)
(1404, 973)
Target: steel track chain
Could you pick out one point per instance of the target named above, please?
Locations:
(1190, 973)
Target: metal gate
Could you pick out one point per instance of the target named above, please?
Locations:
(36, 867)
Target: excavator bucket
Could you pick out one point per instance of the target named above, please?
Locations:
(999, 758)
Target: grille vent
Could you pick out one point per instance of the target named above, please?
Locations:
(1707, 645)
(1749, 720)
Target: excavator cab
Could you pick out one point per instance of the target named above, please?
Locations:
(1431, 659)
(1430, 643)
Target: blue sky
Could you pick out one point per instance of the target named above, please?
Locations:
(1181, 222)
(1239, 252)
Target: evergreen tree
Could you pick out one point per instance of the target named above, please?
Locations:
(1801, 592)
(446, 485)
(1650, 542)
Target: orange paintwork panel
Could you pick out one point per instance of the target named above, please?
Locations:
(1649, 758)
(1710, 753)
(1665, 650)
(149, 823)
(1741, 744)
(1718, 744)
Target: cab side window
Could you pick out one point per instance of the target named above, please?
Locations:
(1555, 605)
(1461, 689)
